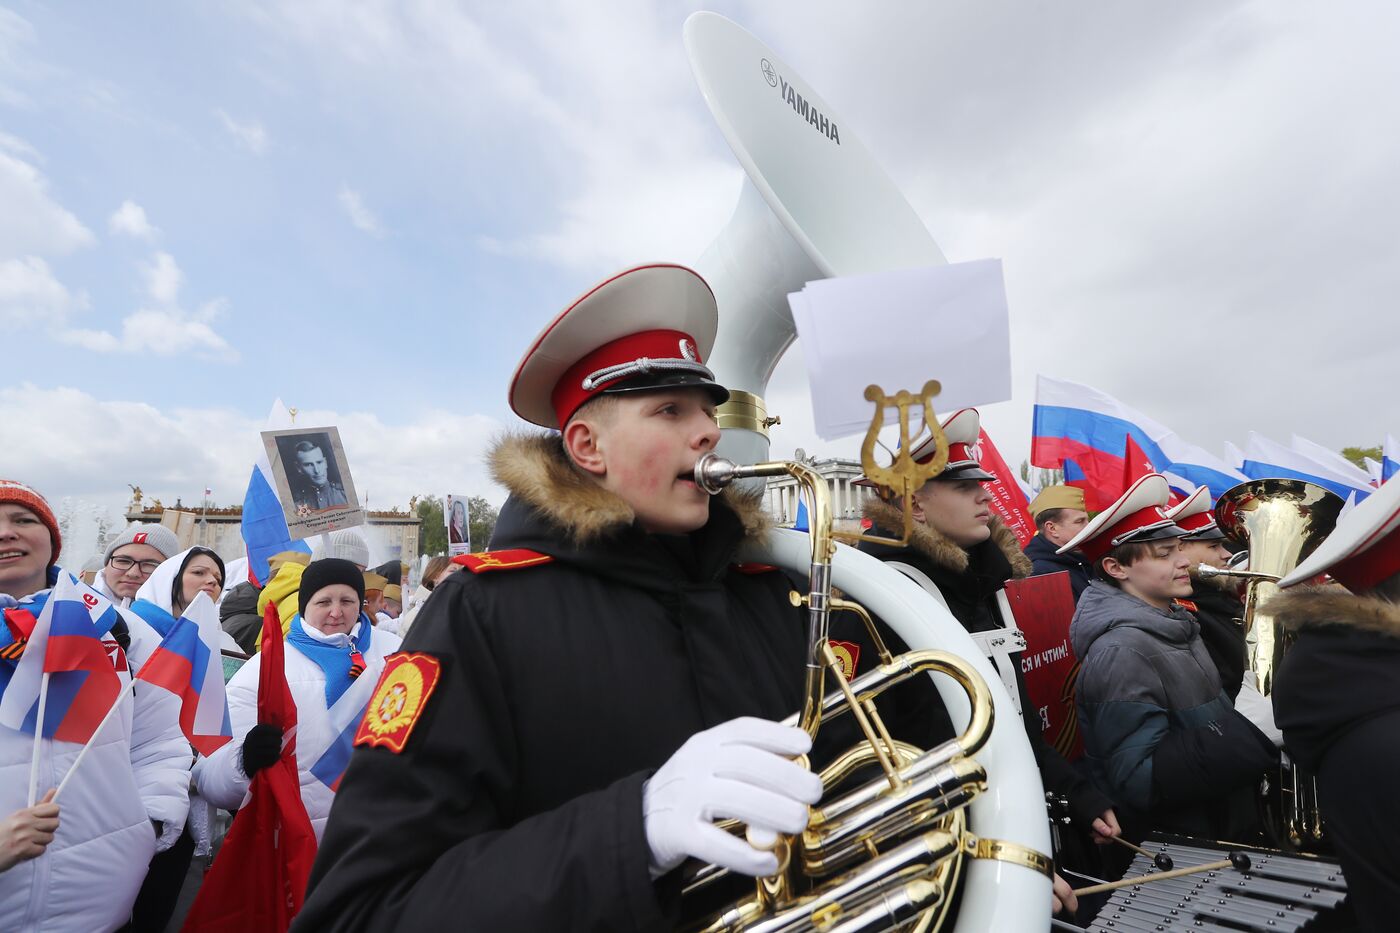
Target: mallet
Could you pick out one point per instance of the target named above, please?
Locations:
(1161, 860)
(1237, 860)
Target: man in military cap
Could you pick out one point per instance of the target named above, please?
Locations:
(315, 489)
(571, 713)
(1059, 515)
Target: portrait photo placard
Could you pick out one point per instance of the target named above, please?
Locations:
(459, 530)
(313, 480)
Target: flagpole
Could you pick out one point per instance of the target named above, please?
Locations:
(38, 738)
(88, 744)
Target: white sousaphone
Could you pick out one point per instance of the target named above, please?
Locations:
(816, 205)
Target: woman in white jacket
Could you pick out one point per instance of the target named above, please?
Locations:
(133, 782)
(166, 593)
(331, 650)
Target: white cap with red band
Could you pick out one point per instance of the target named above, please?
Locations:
(1364, 549)
(1137, 516)
(648, 327)
(1196, 517)
(963, 428)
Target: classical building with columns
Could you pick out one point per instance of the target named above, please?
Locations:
(390, 533)
(847, 499)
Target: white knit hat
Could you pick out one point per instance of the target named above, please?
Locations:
(156, 536)
(347, 544)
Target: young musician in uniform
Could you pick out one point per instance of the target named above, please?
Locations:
(1337, 695)
(1214, 601)
(966, 554)
(1160, 734)
(1059, 515)
(570, 714)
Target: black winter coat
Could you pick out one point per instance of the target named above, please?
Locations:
(1044, 560)
(1216, 611)
(969, 580)
(1337, 700)
(238, 614)
(516, 803)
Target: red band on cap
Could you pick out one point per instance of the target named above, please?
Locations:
(1198, 522)
(958, 455)
(1373, 566)
(569, 392)
(1102, 543)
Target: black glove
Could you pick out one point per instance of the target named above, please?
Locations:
(261, 747)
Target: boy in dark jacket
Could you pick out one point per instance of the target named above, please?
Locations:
(1160, 734)
(574, 708)
(1214, 601)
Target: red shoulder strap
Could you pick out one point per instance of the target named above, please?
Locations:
(512, 559)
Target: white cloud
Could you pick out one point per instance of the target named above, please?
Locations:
(250, 136)
(79, 446)
(29, 294)
(130, 219)
(163, 278)
(31, 222)
(162, 332)
(361, 216)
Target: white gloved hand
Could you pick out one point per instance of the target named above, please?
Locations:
(1258, 709)
(735, 770)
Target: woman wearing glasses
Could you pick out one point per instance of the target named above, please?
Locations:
(131, 557)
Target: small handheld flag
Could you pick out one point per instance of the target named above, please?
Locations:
(188, 664)
(65, 651)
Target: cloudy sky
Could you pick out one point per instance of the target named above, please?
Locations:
(368, 208)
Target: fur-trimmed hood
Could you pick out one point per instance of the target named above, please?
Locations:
(535, 470)
(1317, 607)
(939, 548)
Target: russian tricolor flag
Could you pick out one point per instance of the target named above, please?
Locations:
(66, 666)
(1085, 432)
(188, 664)
(1390, 459)
(345, 716)
(264, 529)
(1266, 459)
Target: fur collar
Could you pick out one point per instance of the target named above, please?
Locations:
(1316, 607)
(535, 469)
(939, 548)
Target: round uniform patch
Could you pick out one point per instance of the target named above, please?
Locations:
(399, 699)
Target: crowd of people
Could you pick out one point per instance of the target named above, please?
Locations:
(556, 723)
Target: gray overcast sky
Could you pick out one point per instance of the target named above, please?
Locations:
(369, 208)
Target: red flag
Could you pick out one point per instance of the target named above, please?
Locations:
(1136, 465)
(1008, 501)
(1043, 607)
(259, 879)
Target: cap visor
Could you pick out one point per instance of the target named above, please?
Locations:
(661, 382)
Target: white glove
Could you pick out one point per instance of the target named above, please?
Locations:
(735, 770)
(1255, 707)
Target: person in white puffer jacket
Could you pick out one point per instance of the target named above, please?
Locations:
(133, 783)
(330, 646)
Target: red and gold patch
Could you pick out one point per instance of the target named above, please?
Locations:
(1186, 604)
(399, 699)
(510, 559)
(848, 653)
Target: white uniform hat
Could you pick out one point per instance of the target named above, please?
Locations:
(1364, 549)
(1196, 517)
(1138, 515)
(648, 327)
